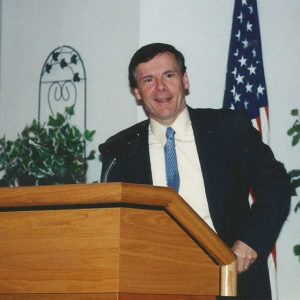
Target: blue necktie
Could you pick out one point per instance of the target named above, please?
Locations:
(171, 160)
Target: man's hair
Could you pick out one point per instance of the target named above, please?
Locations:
(148, 52)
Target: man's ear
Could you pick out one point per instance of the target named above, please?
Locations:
(186, 83)
(137, 94)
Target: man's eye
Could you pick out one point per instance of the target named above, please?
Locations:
(169, 75)
(148, 79)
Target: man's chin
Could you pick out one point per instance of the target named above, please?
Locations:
(165, 119)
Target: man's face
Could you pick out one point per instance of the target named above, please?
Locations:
(161, 87)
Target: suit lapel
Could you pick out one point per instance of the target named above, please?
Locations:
(204, 134)
(203, 143)
(141, 172)
(139, 165)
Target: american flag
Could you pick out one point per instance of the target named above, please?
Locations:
(245, 81)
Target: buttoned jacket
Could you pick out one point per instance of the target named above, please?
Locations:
(233, 161)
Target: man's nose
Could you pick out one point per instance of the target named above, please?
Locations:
(160, 84)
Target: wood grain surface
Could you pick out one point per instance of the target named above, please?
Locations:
(156, 245)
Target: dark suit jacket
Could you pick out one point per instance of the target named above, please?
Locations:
(232, 159)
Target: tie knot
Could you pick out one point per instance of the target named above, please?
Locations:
(170, 133)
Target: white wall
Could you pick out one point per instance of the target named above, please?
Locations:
(201, 30)
(107, 32)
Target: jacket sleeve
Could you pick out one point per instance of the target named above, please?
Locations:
(270, 187)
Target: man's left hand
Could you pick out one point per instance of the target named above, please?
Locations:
(246, 256)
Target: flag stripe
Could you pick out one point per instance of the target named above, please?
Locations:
(245, 82)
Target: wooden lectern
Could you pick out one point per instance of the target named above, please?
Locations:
(108, 241)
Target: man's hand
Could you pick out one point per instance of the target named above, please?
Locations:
(246, 256)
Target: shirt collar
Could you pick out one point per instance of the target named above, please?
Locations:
(180, 125)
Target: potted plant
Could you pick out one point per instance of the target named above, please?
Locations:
(294, 132)
(43, 154)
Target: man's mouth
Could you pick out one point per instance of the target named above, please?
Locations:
(162, 99)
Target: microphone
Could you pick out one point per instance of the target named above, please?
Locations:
(106, 173)
(110, 149)
(120, 146)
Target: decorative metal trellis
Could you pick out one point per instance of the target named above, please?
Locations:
(63, 83)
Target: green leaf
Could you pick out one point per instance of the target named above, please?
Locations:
(51, 121)
(296, 126)
(88, 134)
(70, 110)
(60, 118)
(56, 121)
(295, 183)
(295, 140)
(91, 155)
(297, 250)
(291, 131)
(295, 112)
(2, 142)
(294, 173)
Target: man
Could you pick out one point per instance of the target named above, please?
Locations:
(219, 156)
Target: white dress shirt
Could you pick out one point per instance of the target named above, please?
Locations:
(191, 187)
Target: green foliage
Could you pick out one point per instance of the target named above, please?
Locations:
(294, 132)
(297, 250)
(43, 154)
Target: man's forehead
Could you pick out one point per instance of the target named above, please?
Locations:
(165, 60)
